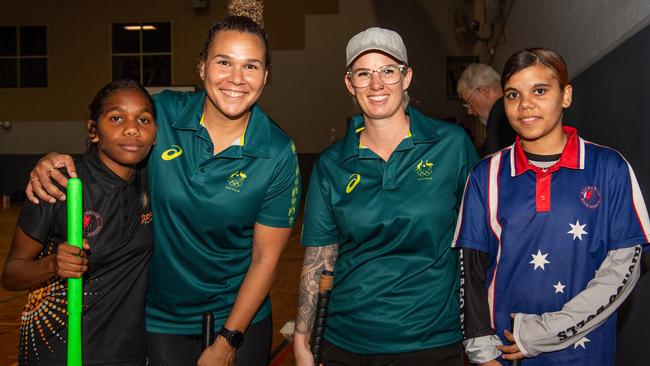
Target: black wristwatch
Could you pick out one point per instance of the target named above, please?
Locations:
(234, 338)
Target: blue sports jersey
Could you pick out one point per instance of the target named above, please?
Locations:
(547, 231)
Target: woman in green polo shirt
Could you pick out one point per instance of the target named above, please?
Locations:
(380, 213)
(224, 184)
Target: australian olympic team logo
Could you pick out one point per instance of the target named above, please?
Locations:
(424, 169)
(172, 153)
(92, 223)
(354, 180)
(236, 180)
(590, 196)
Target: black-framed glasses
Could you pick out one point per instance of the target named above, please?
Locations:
(468, 102)
(389, 74)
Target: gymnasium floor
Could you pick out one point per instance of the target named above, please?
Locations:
(284, 294)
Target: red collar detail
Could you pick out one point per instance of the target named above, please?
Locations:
(570, 157)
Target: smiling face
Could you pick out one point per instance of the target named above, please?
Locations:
(378, 100)
(534, 103)
(233, 74)
(124, 132)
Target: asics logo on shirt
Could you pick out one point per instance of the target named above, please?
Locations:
(354, 180)
(172, 153)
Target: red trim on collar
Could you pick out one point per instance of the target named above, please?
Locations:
(570, 157)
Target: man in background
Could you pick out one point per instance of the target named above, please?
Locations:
(479, 87)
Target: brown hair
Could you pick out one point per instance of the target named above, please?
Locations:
(535, 56)
(239, 24)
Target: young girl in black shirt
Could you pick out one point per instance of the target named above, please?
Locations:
(118, 240)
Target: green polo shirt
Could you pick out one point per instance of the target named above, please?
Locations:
(396, 277)
(205, 208)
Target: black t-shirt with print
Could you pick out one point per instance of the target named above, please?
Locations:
(117, 223)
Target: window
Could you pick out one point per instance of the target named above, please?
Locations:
(23, 57)
(143, 52)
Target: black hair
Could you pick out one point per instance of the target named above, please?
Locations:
(239, 24)
(534, 56)
(96, 106)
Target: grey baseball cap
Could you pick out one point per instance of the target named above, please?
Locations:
(379, 39)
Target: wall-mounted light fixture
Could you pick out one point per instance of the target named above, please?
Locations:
(139, 27)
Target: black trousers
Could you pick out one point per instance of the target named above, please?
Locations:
(185, 350)
(451, 355)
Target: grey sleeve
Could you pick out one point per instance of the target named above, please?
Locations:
(614, 281)
(482, 349)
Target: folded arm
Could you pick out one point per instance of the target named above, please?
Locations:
(614, 281)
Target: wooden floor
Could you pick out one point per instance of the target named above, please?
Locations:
(284, 293)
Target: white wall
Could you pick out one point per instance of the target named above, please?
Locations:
(582, 31)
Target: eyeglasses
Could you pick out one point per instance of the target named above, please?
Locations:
(389, 74)
(468, 101)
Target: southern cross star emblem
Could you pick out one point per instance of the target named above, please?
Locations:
(582, 343)
(559, 287)
(577, 230)
(539, 260)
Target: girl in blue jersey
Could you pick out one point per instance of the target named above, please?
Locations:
(551, 230)
(118, 241)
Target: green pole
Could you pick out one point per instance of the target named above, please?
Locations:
(75, 285)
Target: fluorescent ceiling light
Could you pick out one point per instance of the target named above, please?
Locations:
(138, 27)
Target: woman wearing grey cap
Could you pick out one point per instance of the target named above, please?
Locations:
(380, 213)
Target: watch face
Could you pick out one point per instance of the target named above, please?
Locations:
(236, 339)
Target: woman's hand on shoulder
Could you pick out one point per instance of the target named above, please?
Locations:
(45, 173)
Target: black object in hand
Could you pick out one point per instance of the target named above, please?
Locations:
(324, 290)
(207, 334)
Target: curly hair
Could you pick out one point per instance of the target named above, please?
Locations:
(253, 9)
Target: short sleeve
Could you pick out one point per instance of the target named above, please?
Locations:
(627, 212)
(468, 158)
(473, 229)
(39, 221)
(319, 226)
(282, 196)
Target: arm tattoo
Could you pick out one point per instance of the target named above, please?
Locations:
(316, 260)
